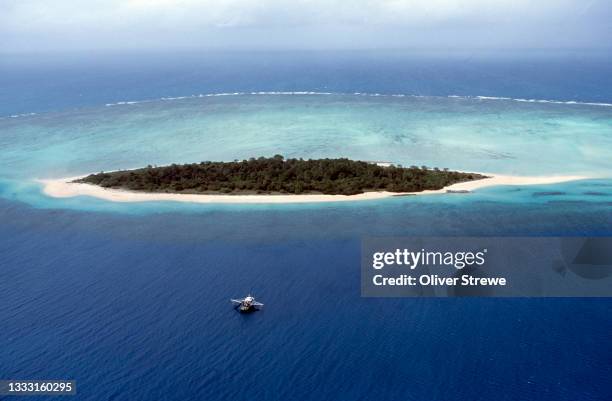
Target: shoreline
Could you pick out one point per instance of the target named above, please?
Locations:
(64, 188)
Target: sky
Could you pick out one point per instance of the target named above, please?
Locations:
(68, 25)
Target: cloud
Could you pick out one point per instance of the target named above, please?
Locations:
(65, 24)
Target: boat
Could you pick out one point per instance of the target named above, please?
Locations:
(246, 304)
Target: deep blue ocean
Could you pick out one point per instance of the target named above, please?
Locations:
(132, 301)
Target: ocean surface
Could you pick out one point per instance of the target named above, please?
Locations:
(132, 300)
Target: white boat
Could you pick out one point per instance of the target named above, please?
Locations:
(247, 304)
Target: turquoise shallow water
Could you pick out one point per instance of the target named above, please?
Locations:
(483, 135)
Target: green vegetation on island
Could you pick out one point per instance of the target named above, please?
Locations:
(275, 175)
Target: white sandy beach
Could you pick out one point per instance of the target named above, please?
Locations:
(64, 188)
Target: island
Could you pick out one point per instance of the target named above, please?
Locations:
(279, 176)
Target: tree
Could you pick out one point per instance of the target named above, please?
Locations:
(275, 174)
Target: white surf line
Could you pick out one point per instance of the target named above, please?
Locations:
(365, 94)
(65, 188)
(314, 93)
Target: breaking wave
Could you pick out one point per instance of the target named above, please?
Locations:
(18, 115)
(314, 93)
(522, 100)
(367, 94)
(218, 95)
